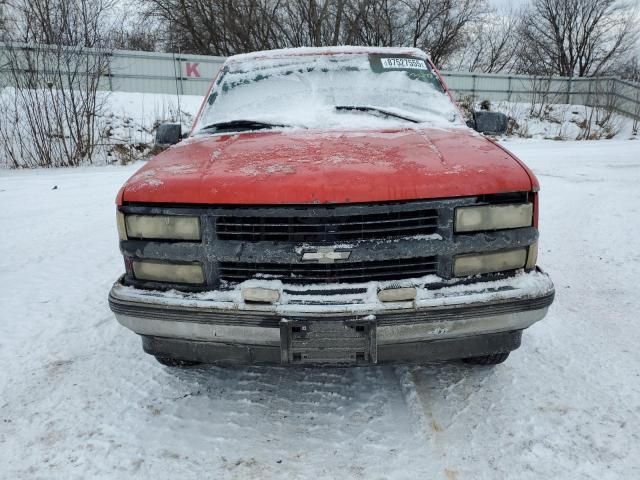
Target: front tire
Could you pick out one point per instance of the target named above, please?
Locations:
(174, 362)
(491, 359)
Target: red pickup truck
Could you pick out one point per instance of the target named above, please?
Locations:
(330, 206)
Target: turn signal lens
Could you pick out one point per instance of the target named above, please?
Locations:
(156, 271)
(122, 229)
(532, 258)
(465, 265)
(493, 217)
(162, 227)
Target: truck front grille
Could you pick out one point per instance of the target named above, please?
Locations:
(351, 272)
(380, 241)
(327, 227)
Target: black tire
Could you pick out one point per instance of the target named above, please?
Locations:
(491, 359)
(175, 362)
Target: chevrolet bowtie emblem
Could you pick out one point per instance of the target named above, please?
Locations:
(325, 255)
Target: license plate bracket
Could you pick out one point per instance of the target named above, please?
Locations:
(328, 342)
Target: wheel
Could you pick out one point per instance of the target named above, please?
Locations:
(491, 359)
(175, 362)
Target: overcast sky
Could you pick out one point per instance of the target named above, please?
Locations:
(500, 3)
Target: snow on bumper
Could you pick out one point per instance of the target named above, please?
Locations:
(449, 311)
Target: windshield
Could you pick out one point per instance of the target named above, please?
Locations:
(321, 91)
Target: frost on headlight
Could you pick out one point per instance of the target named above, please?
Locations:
(157, 271)
(161, 227)
(493, 217)
(474, 264)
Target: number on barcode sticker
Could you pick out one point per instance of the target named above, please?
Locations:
(403, 63)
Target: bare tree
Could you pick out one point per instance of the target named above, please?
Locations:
(49, 116)
(629, 69)
(311, 22)
(135, 31)
(575, 37)
(218, 28)
(599, 109)
(373, 23)
(636, 112)
(440, 26)
(4, 21)
(235, 26)
(491, 44)
(135, 38)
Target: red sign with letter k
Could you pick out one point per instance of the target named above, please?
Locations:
(192, 70)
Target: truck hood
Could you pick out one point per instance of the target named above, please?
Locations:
(311, 167)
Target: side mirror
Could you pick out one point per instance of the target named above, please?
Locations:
(492, 123)
(168, 134)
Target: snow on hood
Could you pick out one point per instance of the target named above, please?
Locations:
(287, 52)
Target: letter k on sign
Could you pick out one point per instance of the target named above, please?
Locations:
(192, 70)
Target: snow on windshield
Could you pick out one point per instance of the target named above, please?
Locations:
(304, 91)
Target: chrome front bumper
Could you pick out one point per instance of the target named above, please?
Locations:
(447, 313)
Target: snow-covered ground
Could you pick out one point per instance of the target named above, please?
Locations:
(564, 122)
(79, 398)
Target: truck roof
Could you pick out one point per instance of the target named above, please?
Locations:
(302, 51)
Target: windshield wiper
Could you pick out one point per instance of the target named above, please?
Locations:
(236, 125)
(382, 111)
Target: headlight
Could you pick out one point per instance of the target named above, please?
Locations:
(157, 271)
(532, 258)
(493, 217)
(122, 229)
(163, 227)
(474, 264)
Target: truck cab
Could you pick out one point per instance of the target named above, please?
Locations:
(330, 207)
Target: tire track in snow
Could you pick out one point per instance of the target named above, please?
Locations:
(135, 416)
(311, 420)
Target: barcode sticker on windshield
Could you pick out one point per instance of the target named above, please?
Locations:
(403, 62)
